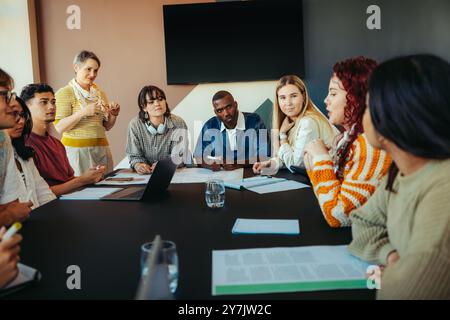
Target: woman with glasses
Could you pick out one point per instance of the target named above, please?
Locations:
(83, 114)
(155, 134)
(31, 182)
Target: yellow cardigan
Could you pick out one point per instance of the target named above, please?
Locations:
(89, 132)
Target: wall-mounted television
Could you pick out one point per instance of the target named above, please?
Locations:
(233, 41)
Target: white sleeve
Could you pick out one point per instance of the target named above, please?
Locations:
(11, 187)
(293, 155)
(43, 192)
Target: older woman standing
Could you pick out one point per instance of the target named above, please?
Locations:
(83, 114)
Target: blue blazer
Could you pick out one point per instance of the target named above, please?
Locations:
(252, 144)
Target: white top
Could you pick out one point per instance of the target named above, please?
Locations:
(291, 154)
(40, 191)
(231, 133)
(10, 189)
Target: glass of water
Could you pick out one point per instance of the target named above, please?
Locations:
(169, 256)
(215, 193)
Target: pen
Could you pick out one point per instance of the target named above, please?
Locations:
(12, 230)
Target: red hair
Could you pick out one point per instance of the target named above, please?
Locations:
(354, 74)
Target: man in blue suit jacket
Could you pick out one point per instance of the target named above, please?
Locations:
(232, 139)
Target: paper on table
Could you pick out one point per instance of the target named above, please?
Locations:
(250, 271)
(26, 274)
(279, 186)
(252, 182)
(125, 174)
(89, 194)
(274, 226)
(201, 175)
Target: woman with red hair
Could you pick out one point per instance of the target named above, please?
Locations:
(347, 174)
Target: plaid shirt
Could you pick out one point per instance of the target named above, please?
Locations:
(142, 146)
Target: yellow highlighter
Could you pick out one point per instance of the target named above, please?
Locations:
(12, 231)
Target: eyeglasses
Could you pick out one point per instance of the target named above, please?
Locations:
(9, 95)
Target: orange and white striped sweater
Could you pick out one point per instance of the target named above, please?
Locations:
(338, 197)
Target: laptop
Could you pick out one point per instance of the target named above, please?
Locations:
(159, 182)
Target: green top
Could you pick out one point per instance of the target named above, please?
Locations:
(415, 221)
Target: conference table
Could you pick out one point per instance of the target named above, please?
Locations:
(103, 238)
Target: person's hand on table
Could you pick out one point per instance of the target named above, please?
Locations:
(143, 168)
(93, 175)
(9, 257)
(268, 167)
(257, 167)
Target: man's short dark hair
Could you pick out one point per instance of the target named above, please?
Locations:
(220, 95)
(29, 91)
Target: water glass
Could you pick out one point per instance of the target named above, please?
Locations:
(169, 257)
(215, 193)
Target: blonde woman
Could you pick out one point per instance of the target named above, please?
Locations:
(298, 121)
(83, 114)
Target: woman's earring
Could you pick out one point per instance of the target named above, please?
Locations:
(145, 115)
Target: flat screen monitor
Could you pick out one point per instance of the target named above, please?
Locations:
(233, 41)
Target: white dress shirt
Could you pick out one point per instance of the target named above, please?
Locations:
(231, 133)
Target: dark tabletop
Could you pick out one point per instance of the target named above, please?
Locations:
(103, 238)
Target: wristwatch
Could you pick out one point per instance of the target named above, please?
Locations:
(283, 136)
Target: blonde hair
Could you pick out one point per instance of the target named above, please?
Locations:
(308, 107)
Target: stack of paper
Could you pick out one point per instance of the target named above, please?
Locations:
(250, 271)
(201, 175)
(265, 184)
(271, 226)
(89, 194)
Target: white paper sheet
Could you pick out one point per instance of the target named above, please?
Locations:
(125, 174)
(250, 271)
(252, 182)
(26, 274)
(201, 175)
(89, 194)
(278, 187)
(271, 226)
